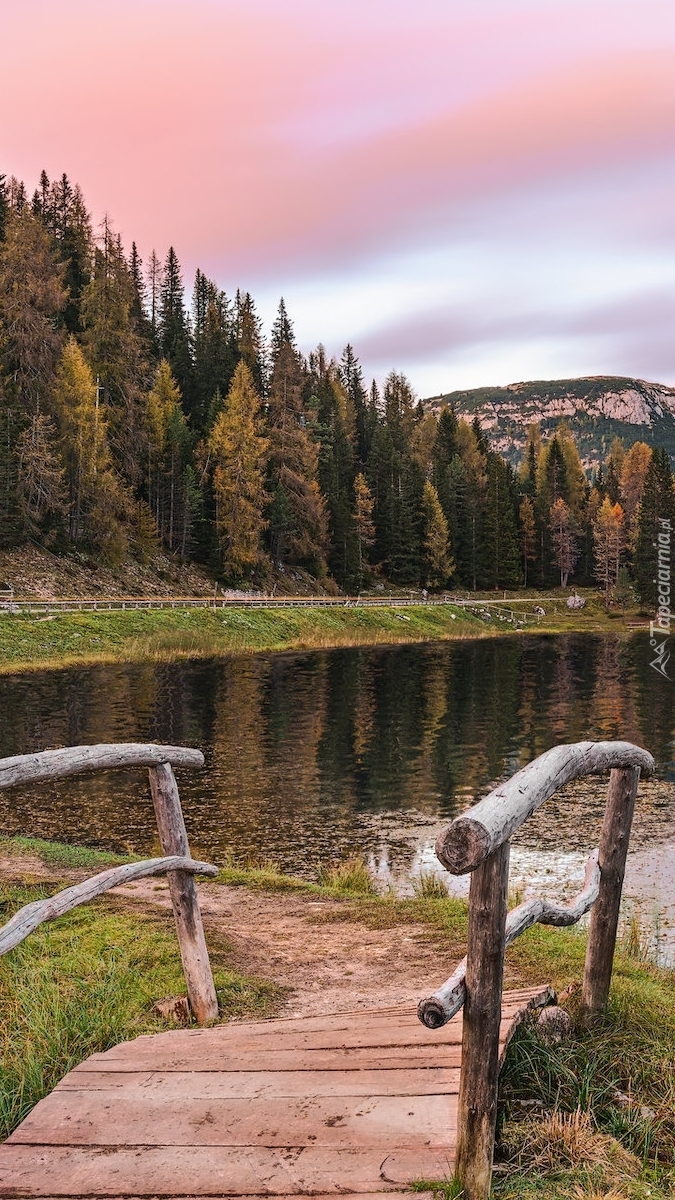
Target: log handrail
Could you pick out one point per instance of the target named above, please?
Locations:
(75, 760)
(436, 1010)
(478, 832)
(178, 863)
(478, 842)
(32, 915)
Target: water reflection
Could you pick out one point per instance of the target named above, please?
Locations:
(312, 756)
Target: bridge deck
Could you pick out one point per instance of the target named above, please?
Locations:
(352, 1103)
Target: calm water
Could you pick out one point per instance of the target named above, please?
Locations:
(314, 756)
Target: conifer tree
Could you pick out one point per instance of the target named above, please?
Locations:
(437, 564)
(563, 537)
(237, 453)
(632, 485)
(249, 339)
(351, 377)
(608, 543)
(364, 527)
(657, 506)
(167, 449)
(97, 504)
(497, 555)
(116, 353)
(297, 511)
(173, 332)
(528, 534)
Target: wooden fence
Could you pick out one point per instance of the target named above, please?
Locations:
(177, 862)
(478, 842)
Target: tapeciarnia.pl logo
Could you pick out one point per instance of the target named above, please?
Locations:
(659, 630)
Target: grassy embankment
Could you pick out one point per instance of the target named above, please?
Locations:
(39, 642)
(592, 1118)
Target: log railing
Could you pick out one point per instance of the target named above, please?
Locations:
(478, 842)
(177, 862)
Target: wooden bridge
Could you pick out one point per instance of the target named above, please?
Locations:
(354, 1102)
(347, 1103)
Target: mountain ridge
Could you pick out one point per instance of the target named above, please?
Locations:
(597, 409)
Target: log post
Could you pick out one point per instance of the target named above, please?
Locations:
(477, 1108)
(183, 890)
(605, 912)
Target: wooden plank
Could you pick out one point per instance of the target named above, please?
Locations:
(286, 1060)
(310, 1120)
(247, 1085)
(211, 1170)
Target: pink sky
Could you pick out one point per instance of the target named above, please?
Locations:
(471, 193)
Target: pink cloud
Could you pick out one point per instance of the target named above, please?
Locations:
(206, 125)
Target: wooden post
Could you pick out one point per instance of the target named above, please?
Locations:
(605, 912)
(477, 1108)
(188, 918)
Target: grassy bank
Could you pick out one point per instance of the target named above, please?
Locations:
(39, 642)
(592, 1118)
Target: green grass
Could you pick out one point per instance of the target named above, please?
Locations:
(156, 635)
(59, 854)
(88, 981)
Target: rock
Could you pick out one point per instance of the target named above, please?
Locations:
(554, 1025)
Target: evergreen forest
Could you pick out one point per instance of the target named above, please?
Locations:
(131, 421)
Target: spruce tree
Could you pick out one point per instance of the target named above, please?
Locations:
(173, 332)
(656, 514)
(237, 454)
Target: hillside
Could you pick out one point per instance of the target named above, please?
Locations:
(597, 409)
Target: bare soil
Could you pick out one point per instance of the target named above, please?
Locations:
(36, 574)
(325, 963)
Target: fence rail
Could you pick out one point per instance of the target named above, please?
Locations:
(478, 841)
(177, 862)
(485, 608)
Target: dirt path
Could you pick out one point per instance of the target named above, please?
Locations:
(328, 964)
(305, 945)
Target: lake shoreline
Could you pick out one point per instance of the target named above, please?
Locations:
(56, 641)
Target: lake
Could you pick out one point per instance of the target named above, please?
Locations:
(316, 756)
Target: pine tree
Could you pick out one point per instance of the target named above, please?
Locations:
(97, 504)
(215, 346)
(528, 534)
(335, 431)
(282, 333)
(117, 354)
(173, 332)
(167, 449)
(656, 514)
(297, 511)
(563, 537)
(237, 453)
(41, 491)
(608, 543)
(437, 564)
(364, 527)
(632, 485)
(351, 377)
(249, 339)
(32, 299)
(497, 555)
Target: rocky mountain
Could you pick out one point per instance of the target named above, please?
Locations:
(597, 409)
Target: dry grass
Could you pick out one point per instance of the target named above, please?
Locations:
(565, 1141)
